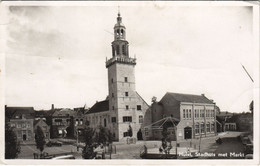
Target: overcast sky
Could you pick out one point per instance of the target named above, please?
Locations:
(56, 55)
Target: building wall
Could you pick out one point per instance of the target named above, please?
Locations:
(199, 125)
(23, 128)
(191, 121)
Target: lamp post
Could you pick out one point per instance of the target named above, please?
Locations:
(77, 139)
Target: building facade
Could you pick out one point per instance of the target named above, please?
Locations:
(124, 108)
(61, 123)
(191, 116)
(21, 120)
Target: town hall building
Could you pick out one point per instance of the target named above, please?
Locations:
(124, 109)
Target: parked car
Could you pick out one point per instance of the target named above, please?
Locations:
(54, 143)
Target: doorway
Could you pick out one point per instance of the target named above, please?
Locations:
(187, 132)
(24, 137)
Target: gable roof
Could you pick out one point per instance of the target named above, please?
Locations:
(189, 98)
(35, 122)
(99, 107)
(19, 111)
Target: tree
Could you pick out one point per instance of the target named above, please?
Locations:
(166, 140)
(12, 146)
(88, 150)
(40, 139)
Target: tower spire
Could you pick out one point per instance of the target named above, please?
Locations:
(118, 11)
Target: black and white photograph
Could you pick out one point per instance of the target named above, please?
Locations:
(149, 81)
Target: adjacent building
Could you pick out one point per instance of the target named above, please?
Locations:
(191, 116)
(124, 108)
(21, 119)
(60, 122)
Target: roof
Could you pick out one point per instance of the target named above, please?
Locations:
(190, 98)
(99, 107)
(37, 121)
(18, 111)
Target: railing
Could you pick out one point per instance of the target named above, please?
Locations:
(121, 59)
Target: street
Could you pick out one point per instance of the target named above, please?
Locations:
(231, 148)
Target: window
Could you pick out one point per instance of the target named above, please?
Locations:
(29, 133)
(117, 49)
(112, 94)
(127, 118)
(19, 134)
(212, 127)
(126, 134)
(139, 107)
(105, 122)
(12, 124)
(28, 125)
(184, 114)
(213, 113)
(146, 132)
(81, 122)
(126, 107)
(208, 127)
(113, 119)
(113, 108)
(112, 80)
(203, 113)
(197, 128)
(77, 122)
(126, 93)
(190, 113)
(123, 49)
(126, 79)
(140, 119)
(202, 129)
(187, 114)
(195, 114)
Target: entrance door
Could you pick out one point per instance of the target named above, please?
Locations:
(24, 137)
(187, 133)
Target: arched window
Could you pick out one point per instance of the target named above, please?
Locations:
(117, 32)
(122, 32)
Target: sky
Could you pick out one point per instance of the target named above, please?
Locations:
(56, 54)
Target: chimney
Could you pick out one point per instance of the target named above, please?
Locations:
(52, 107)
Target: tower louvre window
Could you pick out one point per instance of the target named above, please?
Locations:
(123, 49)
(117, 49)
